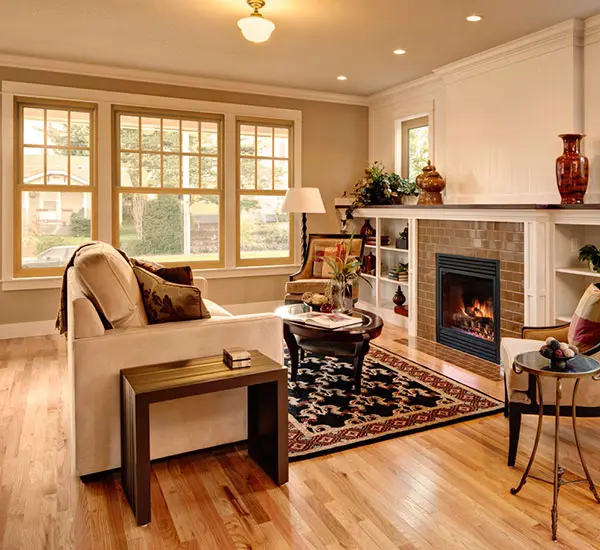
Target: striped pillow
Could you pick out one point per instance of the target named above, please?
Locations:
(584, 331)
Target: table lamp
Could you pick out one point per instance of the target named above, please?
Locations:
(303, 200)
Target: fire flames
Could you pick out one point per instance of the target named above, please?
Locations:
(476, 319)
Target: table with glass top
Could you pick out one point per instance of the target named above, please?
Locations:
(347, 342)
(577, 368)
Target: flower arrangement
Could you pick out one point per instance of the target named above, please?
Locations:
(345, 268)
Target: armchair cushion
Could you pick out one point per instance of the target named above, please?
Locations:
(585, 325)
(306, 285)
(561, 333)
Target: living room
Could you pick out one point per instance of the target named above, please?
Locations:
(332, 285)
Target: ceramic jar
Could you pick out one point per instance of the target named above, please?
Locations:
(431, 184)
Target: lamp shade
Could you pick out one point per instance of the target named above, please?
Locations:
(256, 28)
(303, 200)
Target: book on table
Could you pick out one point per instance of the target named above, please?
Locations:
(333, 321)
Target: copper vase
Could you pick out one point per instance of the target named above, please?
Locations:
(431, 184)
(572, 170)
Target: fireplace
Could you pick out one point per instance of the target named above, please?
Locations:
(468, 305)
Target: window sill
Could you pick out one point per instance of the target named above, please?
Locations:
(41, 283)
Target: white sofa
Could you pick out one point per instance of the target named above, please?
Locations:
(96, 357)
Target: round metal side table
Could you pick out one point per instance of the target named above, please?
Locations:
(579, 367)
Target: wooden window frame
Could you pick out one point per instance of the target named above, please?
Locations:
(266, 123)
(407, 126)
(117, 111)
(21, 103)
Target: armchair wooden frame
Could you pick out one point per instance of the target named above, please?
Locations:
(514, 411)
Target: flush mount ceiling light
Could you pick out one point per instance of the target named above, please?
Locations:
(399, 52)
(342, 77)
(474, 18)
(256, 28)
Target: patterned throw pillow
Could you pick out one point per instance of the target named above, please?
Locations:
(180, 275)
(333, 253)
(584, 331)
(318, 262)
(166, 302)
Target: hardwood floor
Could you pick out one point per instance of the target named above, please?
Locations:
(444, 488)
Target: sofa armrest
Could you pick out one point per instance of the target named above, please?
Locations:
(202, 284)
(560, 332)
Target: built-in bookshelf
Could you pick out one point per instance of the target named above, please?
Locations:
(572, 277)
(376, 293)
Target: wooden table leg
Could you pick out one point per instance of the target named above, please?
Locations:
(362, 350)
(135, 452)
(268, 427)
(293, 348)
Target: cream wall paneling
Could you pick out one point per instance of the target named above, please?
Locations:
(105, 100)
(497, 115)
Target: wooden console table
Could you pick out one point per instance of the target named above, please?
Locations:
(266, 381)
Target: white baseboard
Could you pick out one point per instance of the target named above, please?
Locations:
(23, 330)
(253, 307)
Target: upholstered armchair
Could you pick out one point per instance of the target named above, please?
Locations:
(311, 278)
(521, 395)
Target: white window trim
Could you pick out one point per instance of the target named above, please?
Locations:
(105, 101)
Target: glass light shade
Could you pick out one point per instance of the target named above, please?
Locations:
(256, 28)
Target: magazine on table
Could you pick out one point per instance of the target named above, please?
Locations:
(327, 320)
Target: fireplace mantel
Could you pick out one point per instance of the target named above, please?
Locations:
(551, 235)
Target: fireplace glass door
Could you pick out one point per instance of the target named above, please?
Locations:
(468, 305)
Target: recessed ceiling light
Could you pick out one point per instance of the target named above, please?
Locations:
(399, 52)
(474, 18)
(342, 77)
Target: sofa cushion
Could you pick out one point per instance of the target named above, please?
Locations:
(584, 331)
(181, 275)
(108, 280)
(216, 310)
(166, 302)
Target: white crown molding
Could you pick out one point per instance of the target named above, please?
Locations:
(418, 87)
(592, 30)
(157, 77)
(563, 35)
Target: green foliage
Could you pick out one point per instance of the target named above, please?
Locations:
(379, 187)
(590, 253)
(162, 227)
(345, 269)
(80, 225)
(418, 151)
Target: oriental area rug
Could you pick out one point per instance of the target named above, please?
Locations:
(398, 397)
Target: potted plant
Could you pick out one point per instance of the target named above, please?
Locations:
(379, 187)
(402, 239)
(346, 269)
(590, 254)
(408, 191)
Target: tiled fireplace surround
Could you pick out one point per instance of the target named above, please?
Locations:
(503, 241)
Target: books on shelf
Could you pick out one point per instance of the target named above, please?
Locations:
(327, 320)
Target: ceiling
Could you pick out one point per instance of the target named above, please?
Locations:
(314, 40)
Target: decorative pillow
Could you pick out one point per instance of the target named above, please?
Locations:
(108, 280)
(332, 253)
(166, 302)
(179, 275)
(584, 331)
(318, 262)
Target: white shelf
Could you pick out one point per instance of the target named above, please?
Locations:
(388, 280)
(581, 271)
(564, 318)
(367, 276)
(392, 248)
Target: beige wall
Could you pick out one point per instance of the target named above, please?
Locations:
(334, 153)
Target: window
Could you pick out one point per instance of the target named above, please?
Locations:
(168, 200)
(265, 234)
(415, 147)
(55, 187)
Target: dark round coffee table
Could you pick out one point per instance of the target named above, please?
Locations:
(349, 342)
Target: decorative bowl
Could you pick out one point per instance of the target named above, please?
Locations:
(559, 363)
